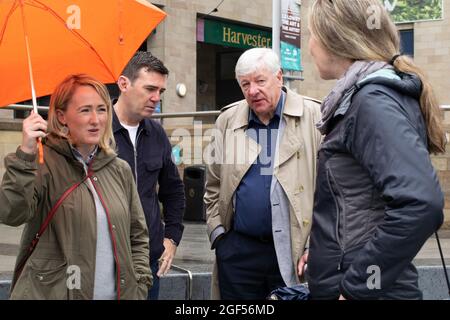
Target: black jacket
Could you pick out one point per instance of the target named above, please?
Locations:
(377, 196)
(154, 166)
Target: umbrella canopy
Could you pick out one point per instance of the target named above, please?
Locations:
(97, 37)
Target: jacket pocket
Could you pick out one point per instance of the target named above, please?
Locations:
(142, 287)
(48, 279)
(153, 166)
(142, 291)
(225, 248)
(150, 175)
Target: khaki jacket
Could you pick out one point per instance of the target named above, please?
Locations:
(233, 152)
(27, 194)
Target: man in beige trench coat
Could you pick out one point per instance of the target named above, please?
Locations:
(260, 182)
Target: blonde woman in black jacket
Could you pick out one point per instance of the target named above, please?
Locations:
(377, 196)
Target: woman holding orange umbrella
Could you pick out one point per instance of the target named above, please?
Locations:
(85, 234)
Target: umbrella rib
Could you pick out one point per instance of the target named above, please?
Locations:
(30, 66)
(11, 11)
(75, 33)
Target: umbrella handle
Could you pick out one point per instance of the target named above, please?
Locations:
(40, 151)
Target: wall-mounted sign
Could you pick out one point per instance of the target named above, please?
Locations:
(290, 50)
(414, 10)
(232, 35)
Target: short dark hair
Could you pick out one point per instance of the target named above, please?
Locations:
(143, 59)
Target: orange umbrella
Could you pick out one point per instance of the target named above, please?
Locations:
(97, 37)
(43, 41)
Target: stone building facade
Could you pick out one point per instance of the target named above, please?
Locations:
(176, 42)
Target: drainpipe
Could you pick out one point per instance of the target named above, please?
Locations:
(276, 26)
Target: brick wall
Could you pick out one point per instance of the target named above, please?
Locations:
(432, 49)
(442, 165)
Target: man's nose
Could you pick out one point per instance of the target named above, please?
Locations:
(155, 96)
(253, 89)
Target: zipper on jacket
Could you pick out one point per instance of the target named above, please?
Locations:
(135, 156)
(135, 165)
(341, 260)
(338, 215)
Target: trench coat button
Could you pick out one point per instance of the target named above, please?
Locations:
(95, 179)
(40, 278)
(298, 154)
(301, 189)
(305, 222)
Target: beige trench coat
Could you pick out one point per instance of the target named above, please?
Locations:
(232, 153)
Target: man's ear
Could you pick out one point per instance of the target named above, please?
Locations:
(123, 83)
(280, 77)
(61, 117)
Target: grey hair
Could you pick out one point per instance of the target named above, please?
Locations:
(255, 59)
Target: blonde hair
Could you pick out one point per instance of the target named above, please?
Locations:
(61, 98)
(363, 30)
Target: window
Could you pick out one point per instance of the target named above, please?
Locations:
(407, 42)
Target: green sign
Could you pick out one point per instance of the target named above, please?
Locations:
(414, 10)
(231, 35)
(290, 57)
